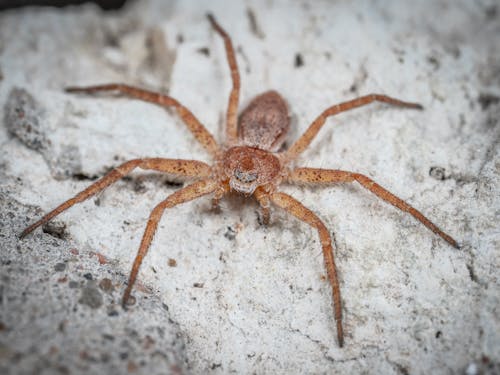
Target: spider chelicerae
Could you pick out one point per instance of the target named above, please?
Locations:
(250, 162)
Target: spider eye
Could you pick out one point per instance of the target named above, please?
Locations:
(245, 177)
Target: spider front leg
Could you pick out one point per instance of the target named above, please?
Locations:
(219, 193)
(302, 213)
(314, 175)
(194, 125)
(303, 142)
(232, 108)
(188, 168)
(185, 194)
(265, 204)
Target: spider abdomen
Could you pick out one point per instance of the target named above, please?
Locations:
(264, 123)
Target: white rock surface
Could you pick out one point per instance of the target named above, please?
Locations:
(246, 298)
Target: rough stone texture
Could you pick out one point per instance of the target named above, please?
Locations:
(242, 297)
(61, 314)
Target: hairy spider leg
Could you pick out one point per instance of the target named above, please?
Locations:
(232, 108)
(323, 176)
(188, 168)
(199, 131)
(188, 193)
(303, 142)
(302, 213)
(265, 203)
(223, 189)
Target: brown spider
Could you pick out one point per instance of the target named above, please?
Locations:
(248, 163)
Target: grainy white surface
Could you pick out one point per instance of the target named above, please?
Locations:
(412, 304)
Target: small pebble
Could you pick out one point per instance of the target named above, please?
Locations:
(60, 267)
(91, 297)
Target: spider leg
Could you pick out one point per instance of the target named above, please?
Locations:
(188, 193)
(303, 142)
(301, 212)
(219, 193)
(188, 168)
(232, 108)
(201, 134)
(313, 175)
(265, 203)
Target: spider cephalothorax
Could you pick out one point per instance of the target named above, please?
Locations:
(249, 162)
(249, 167)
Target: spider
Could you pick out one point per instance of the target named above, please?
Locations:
(251, 162)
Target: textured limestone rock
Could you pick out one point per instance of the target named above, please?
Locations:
(242, 297)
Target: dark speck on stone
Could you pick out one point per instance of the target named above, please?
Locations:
(60, 267)
(230, 234)
(299, 61)
(88, 276)
(108, 337)
(123, 355)
(73, 284)
(437, 173)
(112, 313)
(56, 229)
(486, 100)
(91, 297)
(106, 285)
(204, 51)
